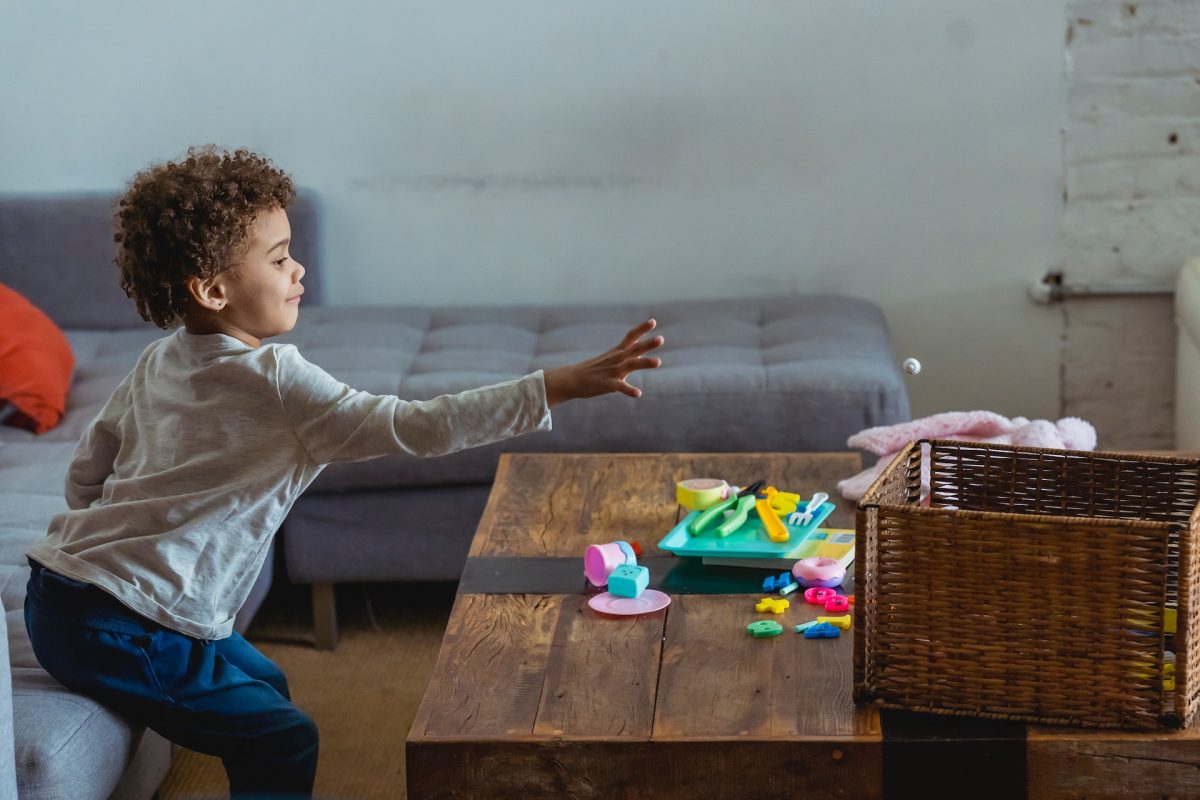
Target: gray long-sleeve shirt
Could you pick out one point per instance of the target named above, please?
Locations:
(178, 487)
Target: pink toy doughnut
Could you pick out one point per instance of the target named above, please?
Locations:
(825, 572)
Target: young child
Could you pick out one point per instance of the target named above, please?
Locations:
(177, 488)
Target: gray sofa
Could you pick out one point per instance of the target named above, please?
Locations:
(755, 374)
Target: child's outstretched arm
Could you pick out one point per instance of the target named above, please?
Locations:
(334, 422)
(606, 372)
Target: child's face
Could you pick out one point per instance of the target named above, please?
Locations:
(261, 296)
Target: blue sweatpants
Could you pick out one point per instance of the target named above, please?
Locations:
(219, 697)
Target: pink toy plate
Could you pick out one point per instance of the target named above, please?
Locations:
(649, 600)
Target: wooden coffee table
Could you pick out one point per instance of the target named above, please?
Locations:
(535, 695)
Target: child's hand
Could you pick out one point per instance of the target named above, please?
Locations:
(606, 372)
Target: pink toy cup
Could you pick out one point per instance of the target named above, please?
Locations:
(599, 560)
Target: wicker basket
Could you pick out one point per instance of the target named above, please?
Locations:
(1030, 585)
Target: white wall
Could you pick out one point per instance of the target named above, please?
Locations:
(908, 151)
(1132, 212)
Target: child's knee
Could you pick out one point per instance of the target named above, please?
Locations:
(311, 735)
(302, 739)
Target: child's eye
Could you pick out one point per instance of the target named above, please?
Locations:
(279, 263)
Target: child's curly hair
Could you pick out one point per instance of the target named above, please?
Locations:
(189, 219)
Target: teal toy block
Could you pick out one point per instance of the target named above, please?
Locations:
(628, 580)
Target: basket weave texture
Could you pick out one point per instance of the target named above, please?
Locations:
(1031, 585)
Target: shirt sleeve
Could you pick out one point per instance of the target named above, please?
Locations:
(96, 452)
(334, 422)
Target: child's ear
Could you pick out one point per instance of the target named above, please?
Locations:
(207, 293)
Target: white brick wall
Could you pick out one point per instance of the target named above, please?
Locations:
(1131, 170)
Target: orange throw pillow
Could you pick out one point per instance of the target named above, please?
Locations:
(35, 364)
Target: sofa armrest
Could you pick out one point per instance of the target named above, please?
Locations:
(8, 762)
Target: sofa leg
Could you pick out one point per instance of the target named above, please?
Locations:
(324, 604)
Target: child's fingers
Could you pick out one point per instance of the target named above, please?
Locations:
(632, 391)
(638, 332)
(648, 345)
(643, 363)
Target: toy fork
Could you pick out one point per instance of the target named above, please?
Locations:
(805, 517)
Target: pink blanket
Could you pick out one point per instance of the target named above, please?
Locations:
(1069, 433)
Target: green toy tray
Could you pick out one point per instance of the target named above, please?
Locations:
(750, 540)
